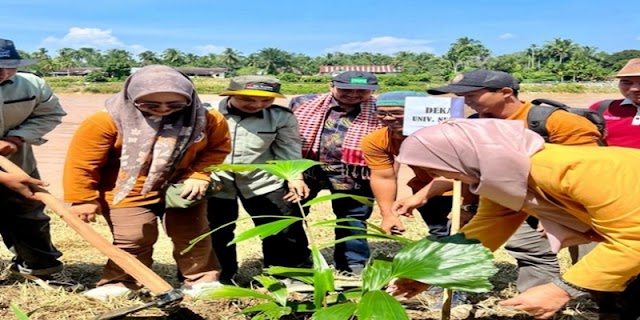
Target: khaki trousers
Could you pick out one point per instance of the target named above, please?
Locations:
(135, 230)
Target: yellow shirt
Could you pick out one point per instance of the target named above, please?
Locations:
(597, 185)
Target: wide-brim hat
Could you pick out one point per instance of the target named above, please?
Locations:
(9, 56)
(257, 86)
(631, 69)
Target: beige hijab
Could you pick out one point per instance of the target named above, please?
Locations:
(497, 153)
(151, 145)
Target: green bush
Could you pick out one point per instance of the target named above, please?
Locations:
(289, 77)
(96, 76)
(396, 81)
(316, 79)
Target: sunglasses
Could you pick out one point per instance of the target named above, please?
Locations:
(157, 105)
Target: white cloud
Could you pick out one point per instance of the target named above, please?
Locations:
(506, 36)
(209, 48)
(385, 45)
(101, 39)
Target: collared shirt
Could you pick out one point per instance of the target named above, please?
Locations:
(29, 110)
(271, 134)
(622, 131)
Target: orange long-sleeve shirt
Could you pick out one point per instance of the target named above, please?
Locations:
(93, 160)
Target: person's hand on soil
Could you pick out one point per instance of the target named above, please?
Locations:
(405, 206)
(7, 148)
(542, 301)
(194, 189)
(86, 211)
(298, 190)
(391, 224)
(21, 183)
(402, 288)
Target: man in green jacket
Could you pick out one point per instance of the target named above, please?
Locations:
(28, 111)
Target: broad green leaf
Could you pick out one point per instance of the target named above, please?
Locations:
(343, 311)
(20, 315)
(451, 262)
(376, 275)
(285, 169)
(267, 311)
(322, 277)
(380, 305)
(303, 274)
(364, 200)
(233, 292)
(277, 289)
(265, 230)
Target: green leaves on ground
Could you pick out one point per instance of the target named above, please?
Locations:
(285, 169)
(322, 278)
(20, 315)
(452, 262)
(379, 305)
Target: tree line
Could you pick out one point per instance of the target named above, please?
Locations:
(555, 60)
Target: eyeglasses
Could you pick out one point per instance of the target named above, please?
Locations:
(394, 114)
(157, 105)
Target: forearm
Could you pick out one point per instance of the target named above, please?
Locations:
(437, 187)
(385, 189)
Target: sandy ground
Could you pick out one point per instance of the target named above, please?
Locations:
(78, 106)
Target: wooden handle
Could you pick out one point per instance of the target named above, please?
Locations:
(123, 259)
(455, 226)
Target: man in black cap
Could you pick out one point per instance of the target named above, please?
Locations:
(29, 110)
(331, 127)
(494, 94)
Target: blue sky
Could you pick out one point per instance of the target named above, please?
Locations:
(316, 27)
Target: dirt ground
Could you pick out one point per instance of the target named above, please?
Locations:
(85, 263)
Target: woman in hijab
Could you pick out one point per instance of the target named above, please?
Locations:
(152, 133)
(580, 194)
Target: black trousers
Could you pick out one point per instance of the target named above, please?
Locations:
(26, 232)
(288, 248)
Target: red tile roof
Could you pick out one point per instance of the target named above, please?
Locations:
(369, 68)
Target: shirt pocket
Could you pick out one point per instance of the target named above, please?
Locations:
(16, 111)
(267, 137)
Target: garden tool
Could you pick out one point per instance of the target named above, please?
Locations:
(165, 296)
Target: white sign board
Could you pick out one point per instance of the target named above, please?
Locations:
(420, 112)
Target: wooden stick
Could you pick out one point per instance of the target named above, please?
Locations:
(455, 226)
(123, 259)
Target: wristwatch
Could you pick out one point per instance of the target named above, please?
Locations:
(573, 290)
(470, 207)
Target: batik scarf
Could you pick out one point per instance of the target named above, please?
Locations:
(311, 116)
(152, 145)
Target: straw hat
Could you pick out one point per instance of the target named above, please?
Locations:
(631, 69)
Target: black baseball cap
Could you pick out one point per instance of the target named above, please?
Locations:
(476, 80)
(356, 80)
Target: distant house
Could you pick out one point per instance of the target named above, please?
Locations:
(204, 72)
(383, 69)
(78, 72)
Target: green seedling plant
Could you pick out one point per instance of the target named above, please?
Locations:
(452, 262)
